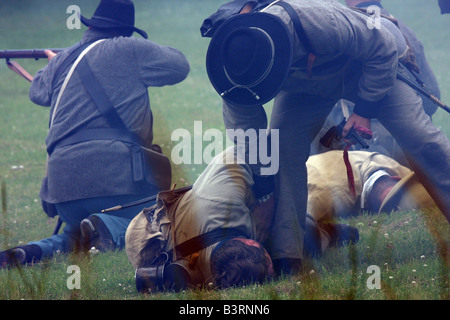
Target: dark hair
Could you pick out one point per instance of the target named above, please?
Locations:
(374, 200)
(235, 263)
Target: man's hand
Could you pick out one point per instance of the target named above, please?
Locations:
(247, 8)
(355, 121)
(262, 218)
(50, 54)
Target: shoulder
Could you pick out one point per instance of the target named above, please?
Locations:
(138, 44)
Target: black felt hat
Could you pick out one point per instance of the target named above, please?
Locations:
(114, 14)
(249, 58)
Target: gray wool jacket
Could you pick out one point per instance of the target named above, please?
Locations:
(426, 73)
(125, 68)
(336, 31)
(367, 71)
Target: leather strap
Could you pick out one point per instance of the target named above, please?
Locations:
(301, 34)
(73, 55)
(17, 68)
(97, 93)
(94, 134)
(78, 58)
(117, 131)
(297, 25)
(204, 240)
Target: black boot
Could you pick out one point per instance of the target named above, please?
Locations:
(312, 243)
(287, 266)
(20, 255)
(94, 233)
(341, 234)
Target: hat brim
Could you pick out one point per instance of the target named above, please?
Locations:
(106, 24)
(272, 84)
(395, 195)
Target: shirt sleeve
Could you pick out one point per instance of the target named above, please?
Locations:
(245, 118)
(40, 91)
(159, 65)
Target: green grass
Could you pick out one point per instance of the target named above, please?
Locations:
(409, 248)
(397, 243)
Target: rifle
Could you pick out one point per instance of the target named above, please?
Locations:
(23, 54)
(422, 90)
(144, 200)
(335, 132)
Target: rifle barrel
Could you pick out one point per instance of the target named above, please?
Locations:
(26, 53)
(427, 94)
(142, 201)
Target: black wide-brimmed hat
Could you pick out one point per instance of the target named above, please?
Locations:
(249, 58)
(114, 14)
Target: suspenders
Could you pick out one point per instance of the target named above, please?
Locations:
(301, 34)
(117, 130)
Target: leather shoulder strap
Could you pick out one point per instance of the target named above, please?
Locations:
(73, 55)
(97, 93)
(204, 240)
(297, 25)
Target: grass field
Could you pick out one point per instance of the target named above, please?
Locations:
(410, 248)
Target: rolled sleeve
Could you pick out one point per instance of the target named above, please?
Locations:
(40, 91)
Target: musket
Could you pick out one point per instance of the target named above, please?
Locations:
(26, 53)
(35, 54)
(127, 205)
(142, 201)
(422, 90)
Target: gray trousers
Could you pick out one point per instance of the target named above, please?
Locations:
(298, 118)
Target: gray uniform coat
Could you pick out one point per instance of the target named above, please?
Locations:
(125, 68)
(383, 141)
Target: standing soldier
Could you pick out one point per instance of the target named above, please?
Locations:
(308, 55)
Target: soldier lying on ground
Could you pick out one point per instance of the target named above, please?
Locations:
(225, 197)
(381, 185)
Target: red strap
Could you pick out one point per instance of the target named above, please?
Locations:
(366, 134)
(348, 166)
(311, 59)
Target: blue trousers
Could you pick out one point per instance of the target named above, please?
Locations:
(73, 212)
